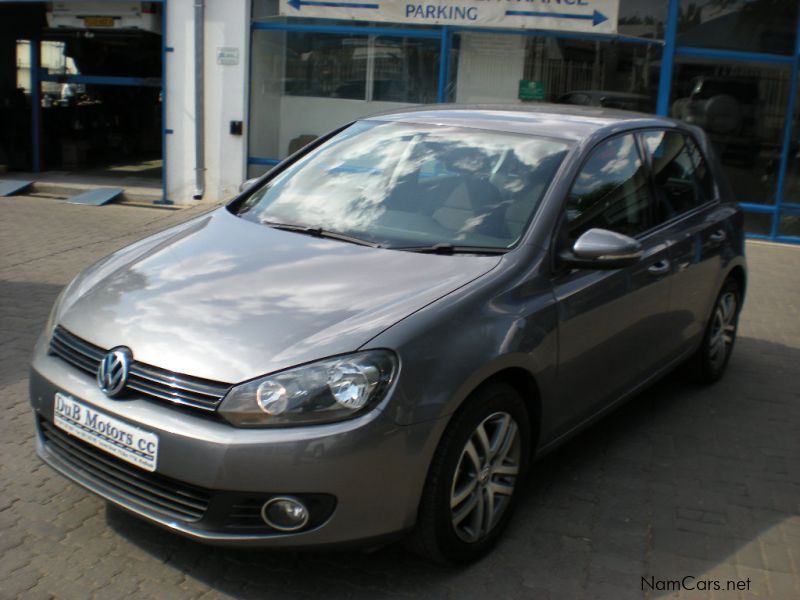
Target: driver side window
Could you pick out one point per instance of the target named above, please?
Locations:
(611, 191)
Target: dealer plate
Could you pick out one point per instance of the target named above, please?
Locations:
(98, 21)
(131, 444)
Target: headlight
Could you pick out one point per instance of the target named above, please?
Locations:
(329, 390)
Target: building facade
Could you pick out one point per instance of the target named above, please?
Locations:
(279, 73)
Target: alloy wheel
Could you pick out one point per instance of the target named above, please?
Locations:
(723, 330)
(485, 477)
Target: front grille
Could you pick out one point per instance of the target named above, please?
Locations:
(163, 495)
(150, 381)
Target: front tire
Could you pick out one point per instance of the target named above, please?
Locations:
(475, 477)
(710, 361)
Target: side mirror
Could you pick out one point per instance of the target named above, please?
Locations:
(247, 184)
(602, 249)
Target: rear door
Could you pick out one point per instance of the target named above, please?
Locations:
(687, 201)
(612, 323)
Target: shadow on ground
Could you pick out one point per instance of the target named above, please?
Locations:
(679, 481)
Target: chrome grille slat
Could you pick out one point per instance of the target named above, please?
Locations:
(190, 384)
(78, 345)
(152, 382)
(156, 492)
(171, 396)
(77, 360)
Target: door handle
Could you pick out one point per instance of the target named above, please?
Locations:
(659, 268)
(718, 236)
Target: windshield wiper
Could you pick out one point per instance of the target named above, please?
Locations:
(321, 233)
(450, 249)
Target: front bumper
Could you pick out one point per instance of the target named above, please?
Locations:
(367, 474)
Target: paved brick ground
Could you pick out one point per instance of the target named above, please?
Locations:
(681, 481)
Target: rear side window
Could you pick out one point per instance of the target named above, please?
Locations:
(680, 173)
(611, 192)
(702, 172)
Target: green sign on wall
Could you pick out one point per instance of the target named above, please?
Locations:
(531, 90)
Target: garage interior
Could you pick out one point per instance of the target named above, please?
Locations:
(100, 99)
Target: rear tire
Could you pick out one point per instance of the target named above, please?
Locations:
(709, 363)
(475, 477)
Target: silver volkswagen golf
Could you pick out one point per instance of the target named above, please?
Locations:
(378, 336)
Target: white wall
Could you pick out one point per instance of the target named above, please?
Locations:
(489, 68)
(226, 25)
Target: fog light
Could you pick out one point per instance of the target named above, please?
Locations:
(285, 514)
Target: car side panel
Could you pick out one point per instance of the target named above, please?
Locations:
(507, 320)
(613, 330)
(704, 239)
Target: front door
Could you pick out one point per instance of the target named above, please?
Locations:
(612, 323)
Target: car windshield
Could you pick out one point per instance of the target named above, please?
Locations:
(410, 185)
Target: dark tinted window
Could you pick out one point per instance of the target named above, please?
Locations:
(611, 191)
(702, 172)
(741, 107)
(750, 25)
(682, 178)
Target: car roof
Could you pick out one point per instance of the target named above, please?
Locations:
(563, 121)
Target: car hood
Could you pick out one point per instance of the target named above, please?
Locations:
(226, 299)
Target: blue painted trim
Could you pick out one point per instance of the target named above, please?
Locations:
(348, 30)
(667, 59)
(787, 239)
(736, 55)
(444, 64)
(257, 160)
(757, 208)
(297, 4)
(791, 207)
(36, 107)
(594, 37)
(758, 236)
(103, 80)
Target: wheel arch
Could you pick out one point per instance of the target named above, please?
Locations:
(524, 383)
(740, 276)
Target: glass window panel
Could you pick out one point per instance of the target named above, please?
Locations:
(405, 70)
(257, 170)
(789, 224)
(489, 68)
(749, 25)
(741, 106)
(326, 65)
(681, 178)
(264, 9)
(760, 223)
(791, 186)
(642, 18)
(611, 191)
(303, 85)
